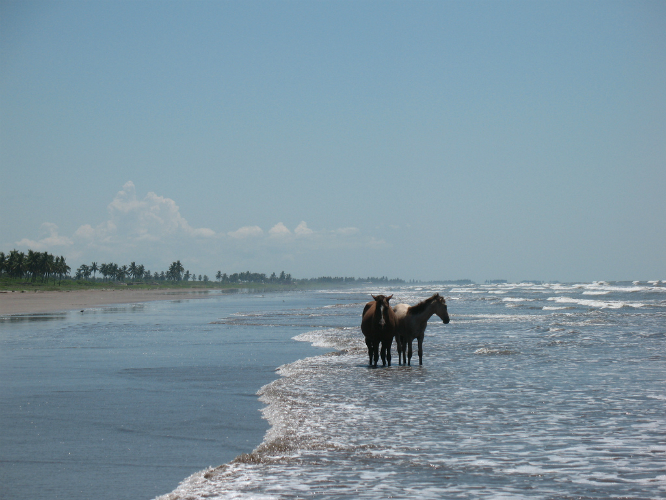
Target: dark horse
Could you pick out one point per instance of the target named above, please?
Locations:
(412, 322)
(378, 326)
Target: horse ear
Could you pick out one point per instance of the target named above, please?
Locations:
(373, 296)
(389, 297)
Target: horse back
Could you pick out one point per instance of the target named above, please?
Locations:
(400, 311)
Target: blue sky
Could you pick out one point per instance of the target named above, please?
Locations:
(427, 140)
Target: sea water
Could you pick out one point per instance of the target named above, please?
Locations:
(124, 402)
(531, 391)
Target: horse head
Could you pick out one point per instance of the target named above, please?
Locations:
(382, 307)
(440, 308)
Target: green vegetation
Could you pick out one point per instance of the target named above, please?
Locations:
(43, 271)
(36, 266)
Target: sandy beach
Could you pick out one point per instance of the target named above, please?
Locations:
(12, 303)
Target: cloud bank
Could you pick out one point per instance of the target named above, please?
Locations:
(151, 230)
(155, 218)
(51, 240)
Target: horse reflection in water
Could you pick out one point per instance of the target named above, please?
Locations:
(412, 322)
(378, 326)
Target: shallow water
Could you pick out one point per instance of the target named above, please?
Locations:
(124, 402)
(532, 391)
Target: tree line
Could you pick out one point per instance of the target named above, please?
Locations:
(33, 265)
(176, 272)
(248, 277)
(44, 266)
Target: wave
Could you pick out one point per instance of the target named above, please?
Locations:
(608, 304)
(442, 430)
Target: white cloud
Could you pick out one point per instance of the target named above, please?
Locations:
(132, 220)
(246, 232)
(303, 230)
(151, 230)
(100, 234)
(279, 230)
(50, 240)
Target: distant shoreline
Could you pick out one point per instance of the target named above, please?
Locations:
(24, 298)
(40, 302)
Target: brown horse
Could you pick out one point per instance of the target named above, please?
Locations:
(378, 325)
(412, 322)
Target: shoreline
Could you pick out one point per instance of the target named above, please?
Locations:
(40, 302)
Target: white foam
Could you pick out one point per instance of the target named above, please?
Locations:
(334, 423)
(608, 304)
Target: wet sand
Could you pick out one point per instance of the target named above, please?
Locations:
(46, 302)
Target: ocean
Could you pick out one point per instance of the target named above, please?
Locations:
(531, 391)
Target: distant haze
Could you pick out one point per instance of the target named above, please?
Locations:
(421, 140)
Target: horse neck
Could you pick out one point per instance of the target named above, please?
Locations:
(426, 314)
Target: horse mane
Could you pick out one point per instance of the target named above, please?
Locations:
(423, 305)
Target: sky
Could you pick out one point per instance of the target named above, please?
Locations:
(423, 140)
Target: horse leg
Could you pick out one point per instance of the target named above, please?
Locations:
(420, 340)
(397, 348)
(401, 351)
(375, 348)
(388, 351)
(409, 353)
(383, 351)
(369, 344)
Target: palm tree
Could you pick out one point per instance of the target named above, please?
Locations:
(62, 269)
(44, 266)
(218, 276)
(94, 269)
(3, 260)
(176, 270)
(16, 264)
(132, 270)
(32, 264)
(83, 272)
(49, 266)
(112, 270)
